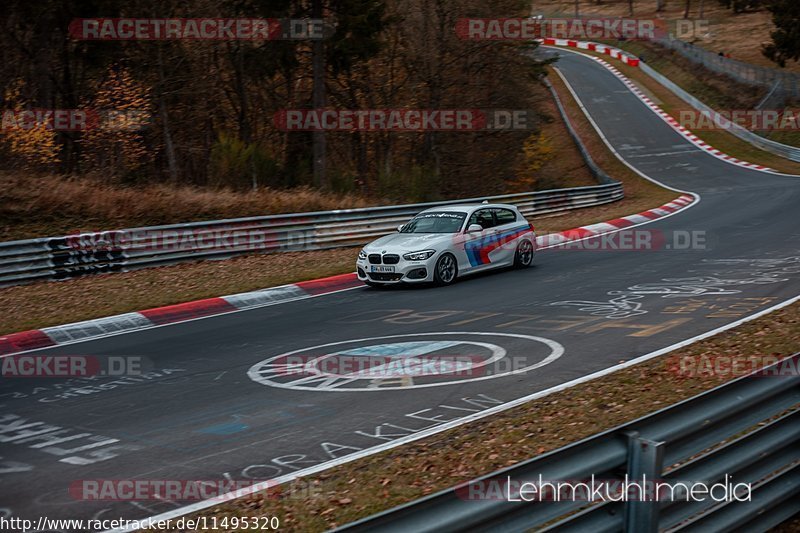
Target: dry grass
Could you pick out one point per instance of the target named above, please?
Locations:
(53, 205)
(41, 206)
(566, 167)
(740, 34)
(368, 485)
(713, 89)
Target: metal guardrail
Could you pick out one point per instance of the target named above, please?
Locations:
(129, 249)
(783, 150)
(738, 70)
(598, 173)
(787, 82)
(703, 439)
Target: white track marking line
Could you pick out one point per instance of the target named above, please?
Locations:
(193, 508)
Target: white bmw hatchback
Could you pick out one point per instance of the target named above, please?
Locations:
(440, 244)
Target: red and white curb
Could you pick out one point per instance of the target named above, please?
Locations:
(554, 239)
(616, 53)
(173, 314)
(666, 117)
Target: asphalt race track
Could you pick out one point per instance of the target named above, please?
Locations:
(198, 415)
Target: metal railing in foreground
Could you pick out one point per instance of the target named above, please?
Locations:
(747, 429)
(129, 249)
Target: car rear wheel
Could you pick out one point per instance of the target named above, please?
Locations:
(446, 270)
(524, 255)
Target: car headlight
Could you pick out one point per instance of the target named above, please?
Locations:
(362, 254)
(419, 256)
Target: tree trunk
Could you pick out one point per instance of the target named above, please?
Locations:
(318, 101)
(162, 107)
(688, 7)
(237, 62)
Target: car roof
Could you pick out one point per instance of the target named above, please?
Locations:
(469, 207)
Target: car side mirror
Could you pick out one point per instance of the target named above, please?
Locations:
(474, 228)
(400, 227)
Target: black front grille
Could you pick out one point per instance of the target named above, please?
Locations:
(382, 276)
(375, 259)
(391, 259)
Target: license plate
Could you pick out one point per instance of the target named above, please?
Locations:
(382, 269)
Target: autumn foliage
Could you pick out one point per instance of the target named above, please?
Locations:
(209, 104)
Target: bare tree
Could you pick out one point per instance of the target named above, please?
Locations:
(318, 99)
(169, 146)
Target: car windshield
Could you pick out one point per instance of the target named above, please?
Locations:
(436, 222)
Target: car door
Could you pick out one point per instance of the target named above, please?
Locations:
(506, 228)
(478, 246)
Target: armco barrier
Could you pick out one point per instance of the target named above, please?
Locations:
(789, 82)
(129, 249)
(783, 150)
(598, 173)
(747, 429)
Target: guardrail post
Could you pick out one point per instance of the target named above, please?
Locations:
(645, 462)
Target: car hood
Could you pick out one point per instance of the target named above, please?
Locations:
(409, 242)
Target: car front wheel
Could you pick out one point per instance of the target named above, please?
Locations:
(446, 270)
